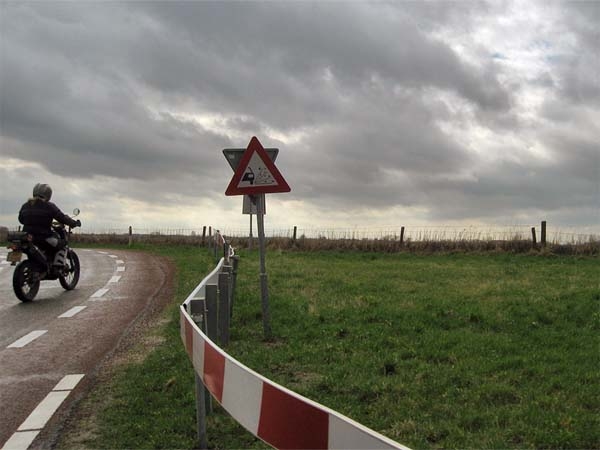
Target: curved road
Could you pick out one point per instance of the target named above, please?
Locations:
(51, 348)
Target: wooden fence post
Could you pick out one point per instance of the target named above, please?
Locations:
(130, 236)
(401, 235)
(543, 234)
(203, 234)
(533, 236)
(295, 231)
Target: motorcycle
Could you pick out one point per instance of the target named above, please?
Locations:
(37, 267)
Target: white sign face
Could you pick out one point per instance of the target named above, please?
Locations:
(257, 174)
(251, 207)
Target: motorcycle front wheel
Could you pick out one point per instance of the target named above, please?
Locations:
(70, 276)
(26, 282)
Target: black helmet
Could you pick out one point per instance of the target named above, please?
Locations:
(44, 191)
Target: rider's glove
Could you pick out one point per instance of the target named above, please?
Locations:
(78, 223)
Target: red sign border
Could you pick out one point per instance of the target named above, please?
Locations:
(256, 146)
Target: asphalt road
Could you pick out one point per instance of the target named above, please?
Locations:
(52, 348)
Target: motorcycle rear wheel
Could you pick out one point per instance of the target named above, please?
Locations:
(25, 283)
(70, 276)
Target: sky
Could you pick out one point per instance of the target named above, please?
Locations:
(384, 113)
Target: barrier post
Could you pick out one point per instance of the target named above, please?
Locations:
(225, 250)
(211, 311)
(533, 236)
(229, 270)
(223, 313)
(401, 235)
(198, 314)
(201, 413)
(130, 236)
(234, 271)
(216, 243)
(211, 325)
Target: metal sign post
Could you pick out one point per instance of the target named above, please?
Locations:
(250, 237)
(255, 175)
(264, 286)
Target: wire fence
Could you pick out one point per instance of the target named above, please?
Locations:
(391, 233)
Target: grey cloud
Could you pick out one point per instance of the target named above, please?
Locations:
(92, 124)
(580, 70)
(95, 90)
(212, 55)
(292, 45)
(508, 188)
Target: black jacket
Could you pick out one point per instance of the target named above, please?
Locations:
(36, 216)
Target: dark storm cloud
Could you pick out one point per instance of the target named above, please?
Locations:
(283, 51)
(86, 114)
(66, 88)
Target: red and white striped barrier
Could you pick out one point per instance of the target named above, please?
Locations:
(278, 416)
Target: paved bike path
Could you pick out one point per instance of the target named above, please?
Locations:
(51, 348)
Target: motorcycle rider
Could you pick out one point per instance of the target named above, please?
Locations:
(37, 214)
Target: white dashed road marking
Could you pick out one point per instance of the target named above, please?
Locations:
(68, 382)
(38, 418)
(99, 293)
(72, 312)
(115, 279)
(42, 413)
(19, 343)
(121, 269)
(120, 261)
(21, 440)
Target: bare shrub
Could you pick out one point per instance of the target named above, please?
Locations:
(387, 245)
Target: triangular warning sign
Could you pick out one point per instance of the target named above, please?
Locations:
(256, 173)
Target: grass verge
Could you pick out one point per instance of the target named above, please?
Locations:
(462, 351)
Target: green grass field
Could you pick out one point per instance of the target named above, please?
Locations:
(435, 351)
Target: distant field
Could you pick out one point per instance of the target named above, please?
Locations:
(444, 350)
